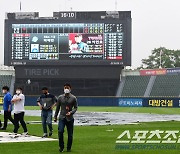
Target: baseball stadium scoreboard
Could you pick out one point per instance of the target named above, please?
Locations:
(68, 38)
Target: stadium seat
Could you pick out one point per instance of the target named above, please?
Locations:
(5, 81)
(135, 86)
(166, 85)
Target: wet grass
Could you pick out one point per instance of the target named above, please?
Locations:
(88, 140)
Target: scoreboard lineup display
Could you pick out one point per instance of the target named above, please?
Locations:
(58, 41)
(69, 39)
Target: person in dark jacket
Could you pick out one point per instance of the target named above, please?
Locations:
(46, 103)
(68, 105)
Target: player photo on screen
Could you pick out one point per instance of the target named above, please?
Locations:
(34, 48)
(85, 43)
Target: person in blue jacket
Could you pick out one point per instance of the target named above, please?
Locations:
(7, 106)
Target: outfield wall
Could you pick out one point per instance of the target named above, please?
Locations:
(119, 101)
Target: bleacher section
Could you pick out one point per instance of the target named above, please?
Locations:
(135, 85)
(132, 84)
(163, 85)
(5, 80)
(166, 85)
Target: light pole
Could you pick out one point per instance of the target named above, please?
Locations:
(20, 7)
(160, 66)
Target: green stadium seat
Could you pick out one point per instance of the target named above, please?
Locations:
(135, 86)
(166, 85)
(5, 81)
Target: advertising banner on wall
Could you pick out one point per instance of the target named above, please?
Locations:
(1, 100)
(130, 102)
(163, 71)
(161, 102)
(119, 101)
(149, 102)
(153, 72)
(173, 71)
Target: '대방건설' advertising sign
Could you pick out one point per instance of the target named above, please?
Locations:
(161, 102)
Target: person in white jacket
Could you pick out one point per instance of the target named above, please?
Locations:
(18, 100)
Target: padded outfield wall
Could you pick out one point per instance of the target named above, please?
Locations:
(119, 101)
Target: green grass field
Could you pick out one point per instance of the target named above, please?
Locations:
(92, 139)
(87, 140)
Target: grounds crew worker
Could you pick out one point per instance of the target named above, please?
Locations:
(19, 101)
(68, 105)
(7, 107)
(46, 103)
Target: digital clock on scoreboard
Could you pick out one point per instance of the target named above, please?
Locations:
(70, 15)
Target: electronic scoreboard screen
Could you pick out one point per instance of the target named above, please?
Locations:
(69, 39)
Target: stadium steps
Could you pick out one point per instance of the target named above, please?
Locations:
(12, 85)
(149, 87)
(120, 87)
